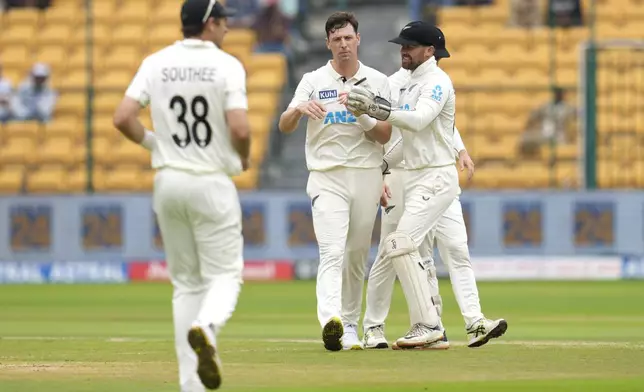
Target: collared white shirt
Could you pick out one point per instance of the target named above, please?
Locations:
(425, 116)
(190, 86)
(338, 140)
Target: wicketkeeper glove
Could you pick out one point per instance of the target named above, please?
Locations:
(361, 101)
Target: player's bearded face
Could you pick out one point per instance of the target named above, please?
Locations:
(413, 56)
(343, 43)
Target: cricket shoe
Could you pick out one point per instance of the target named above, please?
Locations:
(200, 339)
(442, 344)
(374, 337)
(332, 334)
(350, 340)
(420, 335)
(483, 330)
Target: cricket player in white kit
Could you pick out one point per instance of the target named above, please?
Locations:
(426, 120)
(344, 155)
(450, 235)
(197, 96)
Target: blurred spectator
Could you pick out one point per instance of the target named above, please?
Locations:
(272, 29)
(35, 100)
(550, 122)
(3, 5)
(564, 13)
(525, 13)
(246, 11)
(6, 92)
(28, 3)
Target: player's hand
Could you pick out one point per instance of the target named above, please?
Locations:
(465, 162)
(342, 100)
(386, 195)
(312, 109)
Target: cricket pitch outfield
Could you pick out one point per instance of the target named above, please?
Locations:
(562, 336)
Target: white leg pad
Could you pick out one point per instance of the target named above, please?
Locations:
(401, 250)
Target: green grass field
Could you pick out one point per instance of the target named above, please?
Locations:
(562, 336)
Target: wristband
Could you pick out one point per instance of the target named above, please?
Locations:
(149, 140)
(367, 123)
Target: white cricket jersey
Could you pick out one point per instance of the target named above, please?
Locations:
(396, 82)
(338, 140)
(425, 115)
(189, 86)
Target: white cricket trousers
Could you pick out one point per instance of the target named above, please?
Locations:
(450, 235)
(344, 204)
(200, 220)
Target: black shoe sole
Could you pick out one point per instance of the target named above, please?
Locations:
(497, 332)
(332, 335)
(207, 367)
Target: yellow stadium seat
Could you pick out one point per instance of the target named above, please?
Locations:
(75, 79)
(259, 124)
(15, 56)
(567, 151)
(20, 129)
(16, 34)
(77, 180)
(133, 11)
(107, 102)
(65, 126)
(18, 150)
(257, 149)
(58, 34)
(147, 180)
(104, 12)
(129, 153)
(63, 15)
(127, 58)
(164, 34)
(71, 103)
(114, 80)
(267, 62)
(265, 81)
(262, 102)
(23, 16)
(494, 77)
(78, 60)
(55, 56)
(103, 150)
(123, 179)
(104, 126)
(11, 179)
(530, 77)
(240, 37)
(128, 34)
(47, 179)
(166, 12)
(60, 150)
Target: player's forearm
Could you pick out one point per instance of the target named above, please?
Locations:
(289, 120)
(241, 144)
(394, 155)
(381, 132)
(130, 127)
(458, 142)
(413, 120)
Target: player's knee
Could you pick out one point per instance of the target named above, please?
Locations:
(331, 254)
(459, 256)
(398, 244)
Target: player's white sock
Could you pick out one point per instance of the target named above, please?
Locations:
(219, 301)
(185, 307)
(401, 250)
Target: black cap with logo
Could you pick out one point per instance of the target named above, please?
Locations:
(197, 12)
(422, 34)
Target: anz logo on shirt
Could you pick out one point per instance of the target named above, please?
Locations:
(437, 93)
(339, 117)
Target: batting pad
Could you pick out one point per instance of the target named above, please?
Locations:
(401, 250)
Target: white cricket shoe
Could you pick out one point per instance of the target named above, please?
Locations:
(374, 337)
(442, 344)
(350, 340)
(483, 330)
(420, 335)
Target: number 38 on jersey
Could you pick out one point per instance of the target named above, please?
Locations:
(192, 114)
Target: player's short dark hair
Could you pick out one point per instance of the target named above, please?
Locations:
(340, 19)
(192, 30)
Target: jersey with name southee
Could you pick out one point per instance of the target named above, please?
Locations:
(338, 140)
(189, 86)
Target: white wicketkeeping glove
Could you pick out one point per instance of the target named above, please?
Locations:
(362, 101)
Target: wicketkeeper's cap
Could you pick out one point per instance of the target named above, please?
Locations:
(421, 33)
(197, 12)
